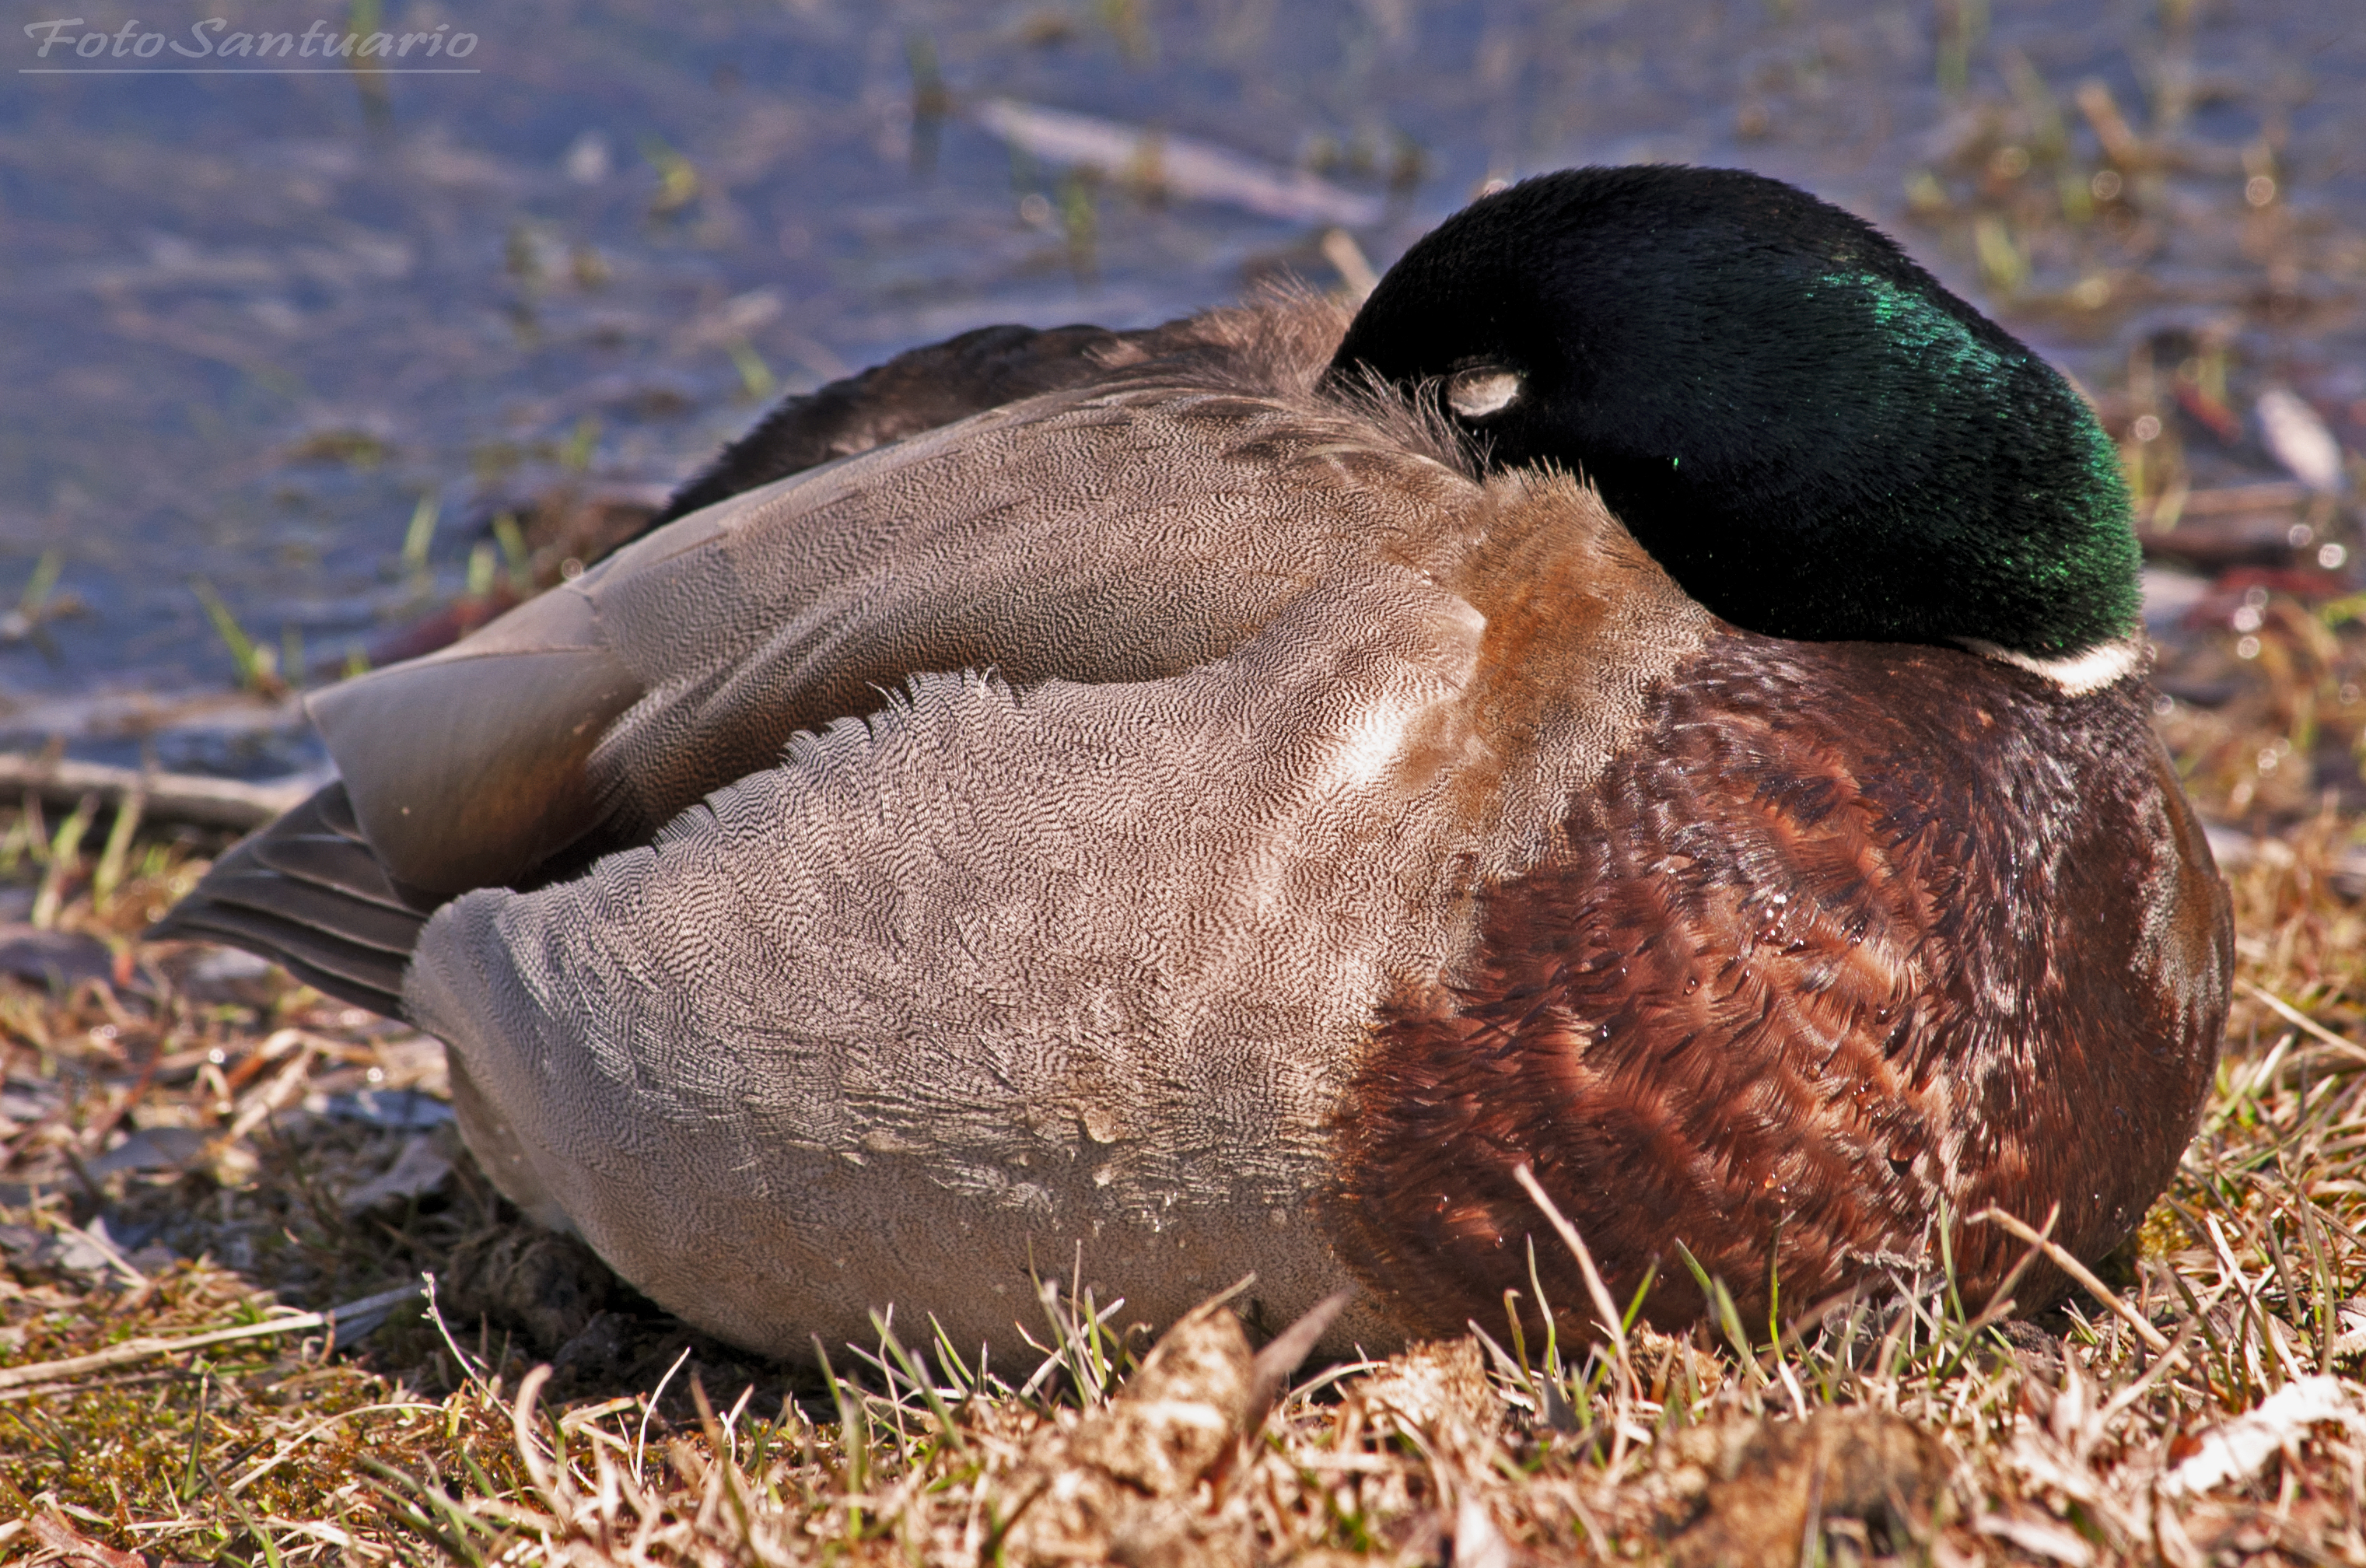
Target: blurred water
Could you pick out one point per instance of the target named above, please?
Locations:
(247, 321)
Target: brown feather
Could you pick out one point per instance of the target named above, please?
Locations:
(1851, 929)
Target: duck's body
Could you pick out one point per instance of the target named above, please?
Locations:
(1224, 825)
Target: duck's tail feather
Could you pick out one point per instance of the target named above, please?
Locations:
(308, 893)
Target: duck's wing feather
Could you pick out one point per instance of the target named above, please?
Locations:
(1094, 536)
(1091, 539)
(919, 389)
(1282, 344)
(307, 893)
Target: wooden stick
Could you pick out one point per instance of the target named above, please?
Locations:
(175, 797)
(140, 1350)
(2276, 495)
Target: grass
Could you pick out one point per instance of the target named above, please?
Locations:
(2202, 1406)
(2200, 1402)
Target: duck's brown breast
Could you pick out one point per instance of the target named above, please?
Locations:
(1849, 934)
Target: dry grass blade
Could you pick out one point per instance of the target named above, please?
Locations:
(1606, 1310)
(531, 1450)
(289, 1446)
(1274, 1364)
(2061, 1258)
(2298, 1018)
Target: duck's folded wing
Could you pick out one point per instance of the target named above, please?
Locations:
(1032, 961)
(1091, 539)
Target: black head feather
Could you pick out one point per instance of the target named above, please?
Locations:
(1802, 425)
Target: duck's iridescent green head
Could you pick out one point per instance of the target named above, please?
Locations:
(1810, 434)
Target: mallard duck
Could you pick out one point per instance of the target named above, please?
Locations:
(1654, 698)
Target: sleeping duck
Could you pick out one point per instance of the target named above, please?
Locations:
(1653, 697)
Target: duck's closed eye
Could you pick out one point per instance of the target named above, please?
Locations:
(1476, 393)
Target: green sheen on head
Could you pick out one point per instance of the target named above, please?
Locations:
(1804, 427)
